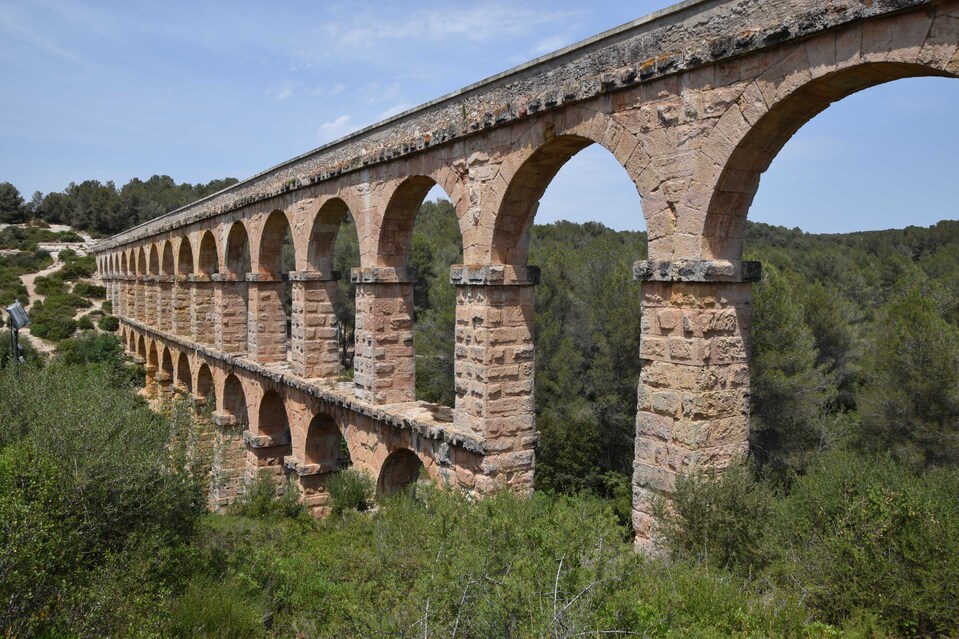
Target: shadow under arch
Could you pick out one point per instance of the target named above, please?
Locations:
(234, 400)
(738, 182)
(400, 470)
(324, 444)
(184, 377)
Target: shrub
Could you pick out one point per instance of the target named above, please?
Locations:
(261, 500)
(722, 520)
(865, 534)
(109, 323)
(47, 286)
(85, 323)
(33, 357)
(210, 609)
(351, 490)
(107, 307)
(86, 476)
(90, 291)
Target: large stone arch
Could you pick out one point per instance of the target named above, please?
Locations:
(524, 188)
(185, 262)
(324, 228)
(166, 258)
(232, 400)
(738, 182)
(207, 260)
(204, 381)
(402, 207)
(269, 246)
(184, 374)
(236, 254)
(401, 469)
(323, 443)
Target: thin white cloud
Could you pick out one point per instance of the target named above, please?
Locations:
(550, 44)
(336, 128)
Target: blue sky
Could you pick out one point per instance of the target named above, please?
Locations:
(201, 90)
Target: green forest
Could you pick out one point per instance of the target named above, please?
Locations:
(844, 522)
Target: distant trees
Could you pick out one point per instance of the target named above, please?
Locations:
(12, 209)
(103, 209)
(910, 402)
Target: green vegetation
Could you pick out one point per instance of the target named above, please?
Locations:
(104, 209)
(25, 238)
(860, 537)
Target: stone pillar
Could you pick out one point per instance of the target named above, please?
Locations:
(266, 335)
(494, 367)
(693, 397)
(201, 310)
(164, 387)
(383, 369)
(230, 312)
(150, 300)
(229, 467)
(315, 352)
(164, 310)
(150, 384)
(127, 287)
(139, 298)
(182, 299)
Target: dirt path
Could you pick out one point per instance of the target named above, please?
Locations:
(29, 280)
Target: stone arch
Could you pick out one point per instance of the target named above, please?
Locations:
(141, 261)
(273, 421)
(323, 233)
(518, 206)
(154, 260)
(234, 399)
(204, 382)
(237, 254)
(269, 253)
(399, 470)
(754, 148)
(141, 349)
(166, 361)
(323, 443)
(207, 263)
(184, 263)
(166, 261)
(396, 230)
(184, 376)
(123, 264)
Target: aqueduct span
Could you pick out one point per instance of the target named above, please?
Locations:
(694, 102)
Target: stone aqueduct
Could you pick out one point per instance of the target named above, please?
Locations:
(694, 102)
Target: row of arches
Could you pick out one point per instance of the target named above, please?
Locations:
(694, 144)
(273, 430)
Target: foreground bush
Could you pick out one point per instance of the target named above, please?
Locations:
(857, 537)
(90, 500)
(351, 489)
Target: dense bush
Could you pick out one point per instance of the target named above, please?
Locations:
(441, 565)
(855, 536)
(90, 291)
(109, 323)
(33, 357)
(47, 286)
(27, 237)
(90, 498)
(351, 489)
(53, 317)
(85, 323)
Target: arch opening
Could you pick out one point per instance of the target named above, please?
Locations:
(422, 239)
(208, 263)
(234, 400)
(584, 318)
(204, 384)
(274, 422)
(401, 469)
(184, 378)
(185, 258)
(736, 187)
(324, 444)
